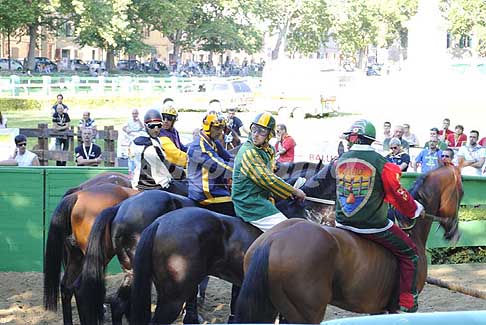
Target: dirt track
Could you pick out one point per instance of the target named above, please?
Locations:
(21, 296)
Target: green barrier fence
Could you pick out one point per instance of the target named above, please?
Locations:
(28, 196)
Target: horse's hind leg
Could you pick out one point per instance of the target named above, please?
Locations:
(166, 312)
(202, 290)
(71, 273)
(235, 291)
(191, 316)
(121, 301)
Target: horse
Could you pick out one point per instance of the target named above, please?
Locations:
(182, 247)
(298, 169)
(68, 234)
(115, 232)
(106, 177)
(298, 268)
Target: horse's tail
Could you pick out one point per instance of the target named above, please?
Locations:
(142, 281)
(254, 304)
(59, 229)
(92, 287)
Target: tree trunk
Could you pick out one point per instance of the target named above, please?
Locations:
(177, 46)
(32, 46)
(8, 51)
(110, 60)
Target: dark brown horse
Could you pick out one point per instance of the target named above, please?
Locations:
(298, 268)
(179, 249)
(68, 234)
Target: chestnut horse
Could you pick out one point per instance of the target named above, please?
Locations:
(179, 249)
(298, 268)
(68, 234)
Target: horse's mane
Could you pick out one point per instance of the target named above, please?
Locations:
(417, 190)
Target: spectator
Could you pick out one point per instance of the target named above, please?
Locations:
(87, 153)
(134, 124)
(21, 156)
(285, 145)
(458, 138)
(473, 155)
(87, 123)
(482, 142)
(235, 123)
(434, 136)
(60, 123)
(59, 100)
(410, 137)
(397, 156)
(429, 158)
(386, 130)
(3, 121)
(447, 156)
(397, 133)
(444, 133)
(209, 167)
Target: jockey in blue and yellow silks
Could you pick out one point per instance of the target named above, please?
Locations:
(209, 167)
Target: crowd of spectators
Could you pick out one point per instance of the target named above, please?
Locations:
(443, 146)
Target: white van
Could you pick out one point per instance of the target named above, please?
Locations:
(299, 88)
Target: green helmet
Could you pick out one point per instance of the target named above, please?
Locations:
(362, 128)
(267, 121)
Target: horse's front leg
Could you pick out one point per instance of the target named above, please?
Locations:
(71, 273)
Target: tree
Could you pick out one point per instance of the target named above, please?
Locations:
(12, 18)
(112, 25)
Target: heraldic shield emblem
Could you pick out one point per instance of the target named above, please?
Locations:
(355, 178)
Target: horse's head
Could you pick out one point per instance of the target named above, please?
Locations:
(323, 184)
(441, 193)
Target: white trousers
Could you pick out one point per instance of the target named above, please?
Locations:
(267, 223)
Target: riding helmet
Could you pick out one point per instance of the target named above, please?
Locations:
(212, 119)
(152, 115)
(169, 110)
(362, 128)
(267, 121)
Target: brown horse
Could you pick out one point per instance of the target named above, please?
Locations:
(68, 234)
(298, 268)
(103, 178)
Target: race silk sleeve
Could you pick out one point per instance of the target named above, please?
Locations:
(211, 159)
(158, 170)
(253, 166)
(172, 153)
(395, 194)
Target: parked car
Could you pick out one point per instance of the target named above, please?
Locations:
(14, 65)
(214, 95)
(129, 65)
(374, 70)
(97, 65)
(78, 65)
(43, 63)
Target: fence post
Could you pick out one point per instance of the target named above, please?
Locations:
(109, 147)
(46, 85)
(43, 142)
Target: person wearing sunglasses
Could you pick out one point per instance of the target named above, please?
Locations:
(255, 185)
(429, 158)
(447, 157)
(174, 150)
(210, 166)
(366, 183)
(21, 156)
(151, 171)
(397, 156)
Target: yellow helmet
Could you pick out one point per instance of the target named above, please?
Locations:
(212, 119)
(169, 110)
(267, 121)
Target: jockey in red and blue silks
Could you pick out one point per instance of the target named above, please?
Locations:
(366, 184)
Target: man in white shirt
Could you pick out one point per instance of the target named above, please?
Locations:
(473, 155)
(21, 157)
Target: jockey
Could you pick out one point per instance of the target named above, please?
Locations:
(254, 183)
(170, 141)
(365, 184)
(150, 169)
(209, 167)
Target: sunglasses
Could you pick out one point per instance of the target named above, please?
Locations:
(259, 130)
(155, 125)
(445, 156)
(393, 147)
(168, 117)
(21, 144)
